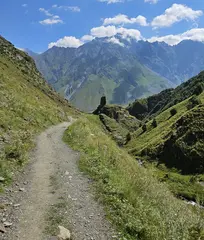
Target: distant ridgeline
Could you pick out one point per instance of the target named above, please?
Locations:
(122, 73)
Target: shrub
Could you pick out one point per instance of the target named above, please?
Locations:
(173, 111)
(194, 101)
(154, 123)
(198, 90)
(103, 101)
(144, 128)
(128, 137)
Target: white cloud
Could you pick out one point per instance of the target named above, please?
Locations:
(67, 8)
(24, 5)
(176, 13)
(46, 12)
(110, 31)
(102, 31)
(130, 33)
(195, 34)
(152, 1)
(87, 38)
(123, 19)
(111, 1)
(53, 19)
(67, 41)
(115, 41)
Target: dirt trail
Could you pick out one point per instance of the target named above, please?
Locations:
(53, 180)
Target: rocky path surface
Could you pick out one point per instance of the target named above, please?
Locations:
(51, 192)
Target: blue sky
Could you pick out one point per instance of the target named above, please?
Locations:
(39, 24)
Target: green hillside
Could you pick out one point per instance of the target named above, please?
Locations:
(27, 106)
(144, 108)
(136, 202)
(174, 132)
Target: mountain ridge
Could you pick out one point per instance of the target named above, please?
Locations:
(123, 73)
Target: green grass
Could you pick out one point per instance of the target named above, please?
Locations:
(136, 202)
(149, 142)
(27, 106)
(182, 186)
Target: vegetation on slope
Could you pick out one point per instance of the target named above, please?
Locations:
(181, 135)
(27, 105)
(136, 202)
(144, 108)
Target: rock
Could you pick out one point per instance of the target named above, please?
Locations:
(22, 189)
(2, 179)
(64, 234)
(2, 229)
(7, 224)
(66, 173)
(16, 205)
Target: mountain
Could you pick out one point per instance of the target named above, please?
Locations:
(134, 69)
(176, 63)
(27, 106)
(30, 53)
(96, 68)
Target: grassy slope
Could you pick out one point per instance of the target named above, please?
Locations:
(27, 106)
(136, 202)
(182, 186)
(155, 136)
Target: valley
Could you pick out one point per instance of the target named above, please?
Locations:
(129, 169)
(137, 69)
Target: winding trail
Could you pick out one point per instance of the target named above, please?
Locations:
(53, 176)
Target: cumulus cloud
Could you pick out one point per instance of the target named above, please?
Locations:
(111, 1)
(115, 41)
(67, 8)
(24, 5)
(67, 41)
(152, 1)
(123, 19)
(176, 13)
(195, 34)
(102, 31)
(87, 38)
(110, 31)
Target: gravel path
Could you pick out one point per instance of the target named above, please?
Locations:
(52, 181)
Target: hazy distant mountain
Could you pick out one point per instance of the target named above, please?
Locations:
(122, 73)
(96, 68)
(177, 63)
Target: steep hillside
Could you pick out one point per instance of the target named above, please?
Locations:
(138, 204)
(144, 108)
(177, 137)
(176, 63)
(96, 68)
(27, 105)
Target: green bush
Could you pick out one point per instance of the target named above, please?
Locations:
(173, 111)
(154, 123)
(193, 101)
(144, 128)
